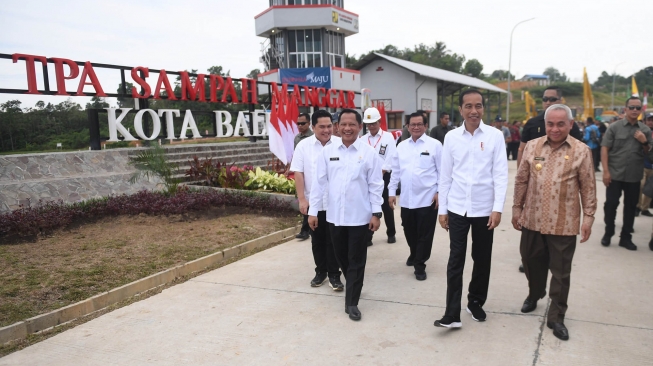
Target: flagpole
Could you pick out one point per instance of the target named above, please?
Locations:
(614, 75)
(509, 68)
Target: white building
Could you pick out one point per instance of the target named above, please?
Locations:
(405, 87)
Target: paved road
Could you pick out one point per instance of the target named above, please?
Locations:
(261, 310)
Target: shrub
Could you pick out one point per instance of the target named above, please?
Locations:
(153, 162)
(269, 181)
(47, 216)
(218, 174)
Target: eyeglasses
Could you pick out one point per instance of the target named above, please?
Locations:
(550, 99)
(415, 125)
(301, 123)
(633, 107)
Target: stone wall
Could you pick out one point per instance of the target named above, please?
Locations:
(77, 176)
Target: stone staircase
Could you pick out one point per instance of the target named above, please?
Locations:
(238, 153)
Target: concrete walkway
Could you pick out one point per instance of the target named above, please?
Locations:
(262, 310)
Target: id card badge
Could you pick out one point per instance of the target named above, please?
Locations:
(382, 149)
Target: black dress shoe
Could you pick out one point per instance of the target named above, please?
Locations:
(628, 245)
(559, 330)
(354, 313)
(637, 211)
(302, 235)
(369, 243)
(409, 262)
(605, 241)
(420, 276)
(647, 213)
(528, 306)
(521, 268)
(392, 239)
(650, 244)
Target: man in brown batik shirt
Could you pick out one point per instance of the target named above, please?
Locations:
(554, 180)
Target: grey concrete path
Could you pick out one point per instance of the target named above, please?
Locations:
(262, 310)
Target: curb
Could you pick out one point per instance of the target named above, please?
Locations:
(98, 302)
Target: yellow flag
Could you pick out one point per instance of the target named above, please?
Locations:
(529, 102)
(634, 88)
(588, 98)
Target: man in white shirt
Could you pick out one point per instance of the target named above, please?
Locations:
(385, 146)
(473, 183)
(304, 164)
(416, 165)
(350, 171)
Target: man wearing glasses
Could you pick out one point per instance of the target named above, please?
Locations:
(303, 128)
(622, 156)
(534, 127)
(417, 166)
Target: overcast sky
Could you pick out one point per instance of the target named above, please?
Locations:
(175, 35)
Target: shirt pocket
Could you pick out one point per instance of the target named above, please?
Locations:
(425, 161)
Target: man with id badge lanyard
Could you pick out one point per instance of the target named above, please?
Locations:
(384, 145)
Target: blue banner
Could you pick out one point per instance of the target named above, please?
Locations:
(313, 76)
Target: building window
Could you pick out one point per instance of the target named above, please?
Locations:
(394, 120)
(305, 48)
(427, 104)
(334, 45)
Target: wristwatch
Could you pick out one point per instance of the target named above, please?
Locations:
(378, 214)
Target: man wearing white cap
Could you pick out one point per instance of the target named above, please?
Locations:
(384, 144)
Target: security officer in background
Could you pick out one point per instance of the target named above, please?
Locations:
(350, 171)
(384, 145)
(535, 127)
(417, 166)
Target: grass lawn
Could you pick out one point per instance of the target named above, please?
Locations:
(46, 273)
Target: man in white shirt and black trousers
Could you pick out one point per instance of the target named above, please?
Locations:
(350, 171)
(304, 164)
(417, 166)
(385, 146)
(473, 183)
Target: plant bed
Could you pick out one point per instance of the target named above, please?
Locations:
(291, 199)
(84, 259)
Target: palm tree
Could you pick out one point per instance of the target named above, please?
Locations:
(153, 162)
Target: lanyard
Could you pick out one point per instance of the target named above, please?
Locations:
(370, 143)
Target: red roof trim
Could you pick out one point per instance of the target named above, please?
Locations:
(305, 6)
(346, 70)
(268, 72)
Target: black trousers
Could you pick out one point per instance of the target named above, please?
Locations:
(350, 247)
(596, 157)
(541, 253)
(513, 149)
(305, 227)
(323, 254)
(388, 214)
(481, 254)
(419, 227)
(631, 197)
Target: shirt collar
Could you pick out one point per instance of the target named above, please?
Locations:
(626, 123)
(482, 127)
(421, 138)
(338, 143)
(567, 141)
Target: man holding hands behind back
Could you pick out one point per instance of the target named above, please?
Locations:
(416, 165)
(350, 171)
(473, 184)
(555, 178)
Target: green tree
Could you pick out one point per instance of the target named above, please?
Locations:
(97, 103)
(126, 100)
(473, 68)
(253, 74)
(555, 75)
(501, 75)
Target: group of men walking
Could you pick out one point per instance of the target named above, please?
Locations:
(347, 184)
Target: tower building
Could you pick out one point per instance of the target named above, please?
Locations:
(310, 35)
